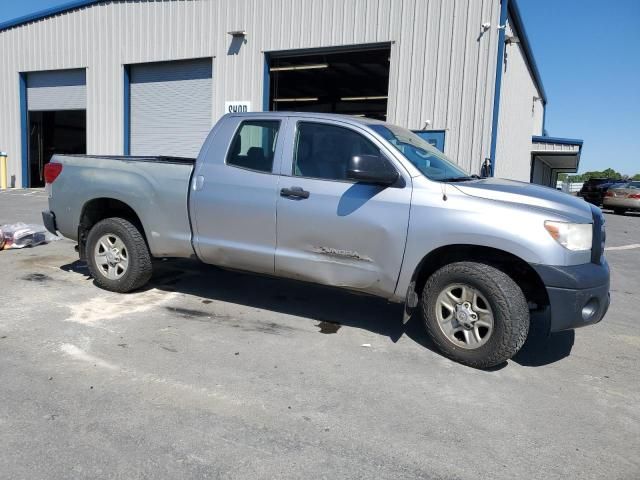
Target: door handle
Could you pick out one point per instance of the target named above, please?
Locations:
(294, 192)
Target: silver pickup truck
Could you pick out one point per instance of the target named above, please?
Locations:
(352, 203)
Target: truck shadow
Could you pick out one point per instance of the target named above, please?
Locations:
(331, 307)
(542, 348)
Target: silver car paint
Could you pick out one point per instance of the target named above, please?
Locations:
(463, 219)
(345, 234)
(529, 194)
(235, 213)
(234, 209)
(156, 192)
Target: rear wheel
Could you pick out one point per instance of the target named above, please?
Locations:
(619, 211)
(118, 256)
(475, 314)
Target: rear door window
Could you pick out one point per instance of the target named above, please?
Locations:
(254, 144)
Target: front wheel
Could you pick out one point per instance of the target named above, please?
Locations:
(118, 256)
(619, 211)
(475, 314)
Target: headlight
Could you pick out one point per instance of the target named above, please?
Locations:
(572, 236)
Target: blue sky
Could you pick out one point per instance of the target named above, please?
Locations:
(588, 54)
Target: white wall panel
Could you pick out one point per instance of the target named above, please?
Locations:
(442, 70)
(520, 115)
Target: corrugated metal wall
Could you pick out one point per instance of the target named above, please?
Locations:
(521, 115)
(442, 68)
(554, 147)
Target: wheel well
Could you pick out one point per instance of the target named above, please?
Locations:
(519, 270)
(100, 208)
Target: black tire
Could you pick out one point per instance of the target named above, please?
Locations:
(508, 305)
(139, 268)
(619, 211)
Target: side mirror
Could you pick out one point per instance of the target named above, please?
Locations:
(485, 168)
(371, 169)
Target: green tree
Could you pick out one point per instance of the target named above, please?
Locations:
(607, 173)
(636, 176)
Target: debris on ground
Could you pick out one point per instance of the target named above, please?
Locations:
(328, 327)
(366, 345)
(20, 235)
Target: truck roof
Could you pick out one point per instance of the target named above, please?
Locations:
(315, 115)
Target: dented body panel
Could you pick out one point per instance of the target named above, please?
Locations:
(346, 234)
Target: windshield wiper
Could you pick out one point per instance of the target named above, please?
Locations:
(458, 179)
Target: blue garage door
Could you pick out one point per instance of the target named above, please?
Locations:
(170, 107)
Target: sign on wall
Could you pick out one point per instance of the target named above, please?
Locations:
(237, 106)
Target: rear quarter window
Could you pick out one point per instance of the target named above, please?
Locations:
(253, 145)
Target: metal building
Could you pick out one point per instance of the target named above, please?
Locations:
(145, 77)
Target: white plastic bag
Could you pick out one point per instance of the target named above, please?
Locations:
(20, 235)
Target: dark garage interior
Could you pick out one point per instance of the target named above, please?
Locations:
(57, 131)
(354, 82)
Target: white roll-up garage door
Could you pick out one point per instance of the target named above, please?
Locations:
(170, 107)
(57, 90)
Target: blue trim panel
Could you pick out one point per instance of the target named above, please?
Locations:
(518, 26)
(434, 137)
(24, 129)
(266, 86)
(46, 13)
(126, 120)
(498, 85)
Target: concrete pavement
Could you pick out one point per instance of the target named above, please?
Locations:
(214, 374)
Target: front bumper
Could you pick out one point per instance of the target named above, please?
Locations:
(578, 295)
(49, 220)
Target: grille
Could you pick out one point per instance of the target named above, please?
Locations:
(599, 236)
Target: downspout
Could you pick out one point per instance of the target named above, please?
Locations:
(265, 83)
(126, 110)
(24, 129)
(496, 92)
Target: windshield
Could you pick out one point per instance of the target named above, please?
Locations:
(429, 160)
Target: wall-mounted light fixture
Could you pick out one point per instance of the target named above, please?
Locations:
(311, 66)
(238, 33)
(299, 99)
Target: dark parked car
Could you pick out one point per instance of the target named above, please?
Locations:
(594, 189)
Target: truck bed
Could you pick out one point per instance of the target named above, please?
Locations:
(155, 188)
(133, 158)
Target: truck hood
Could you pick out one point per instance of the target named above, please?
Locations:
(527, 194)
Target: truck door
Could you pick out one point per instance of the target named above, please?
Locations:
(332, 230)
(234, 194)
